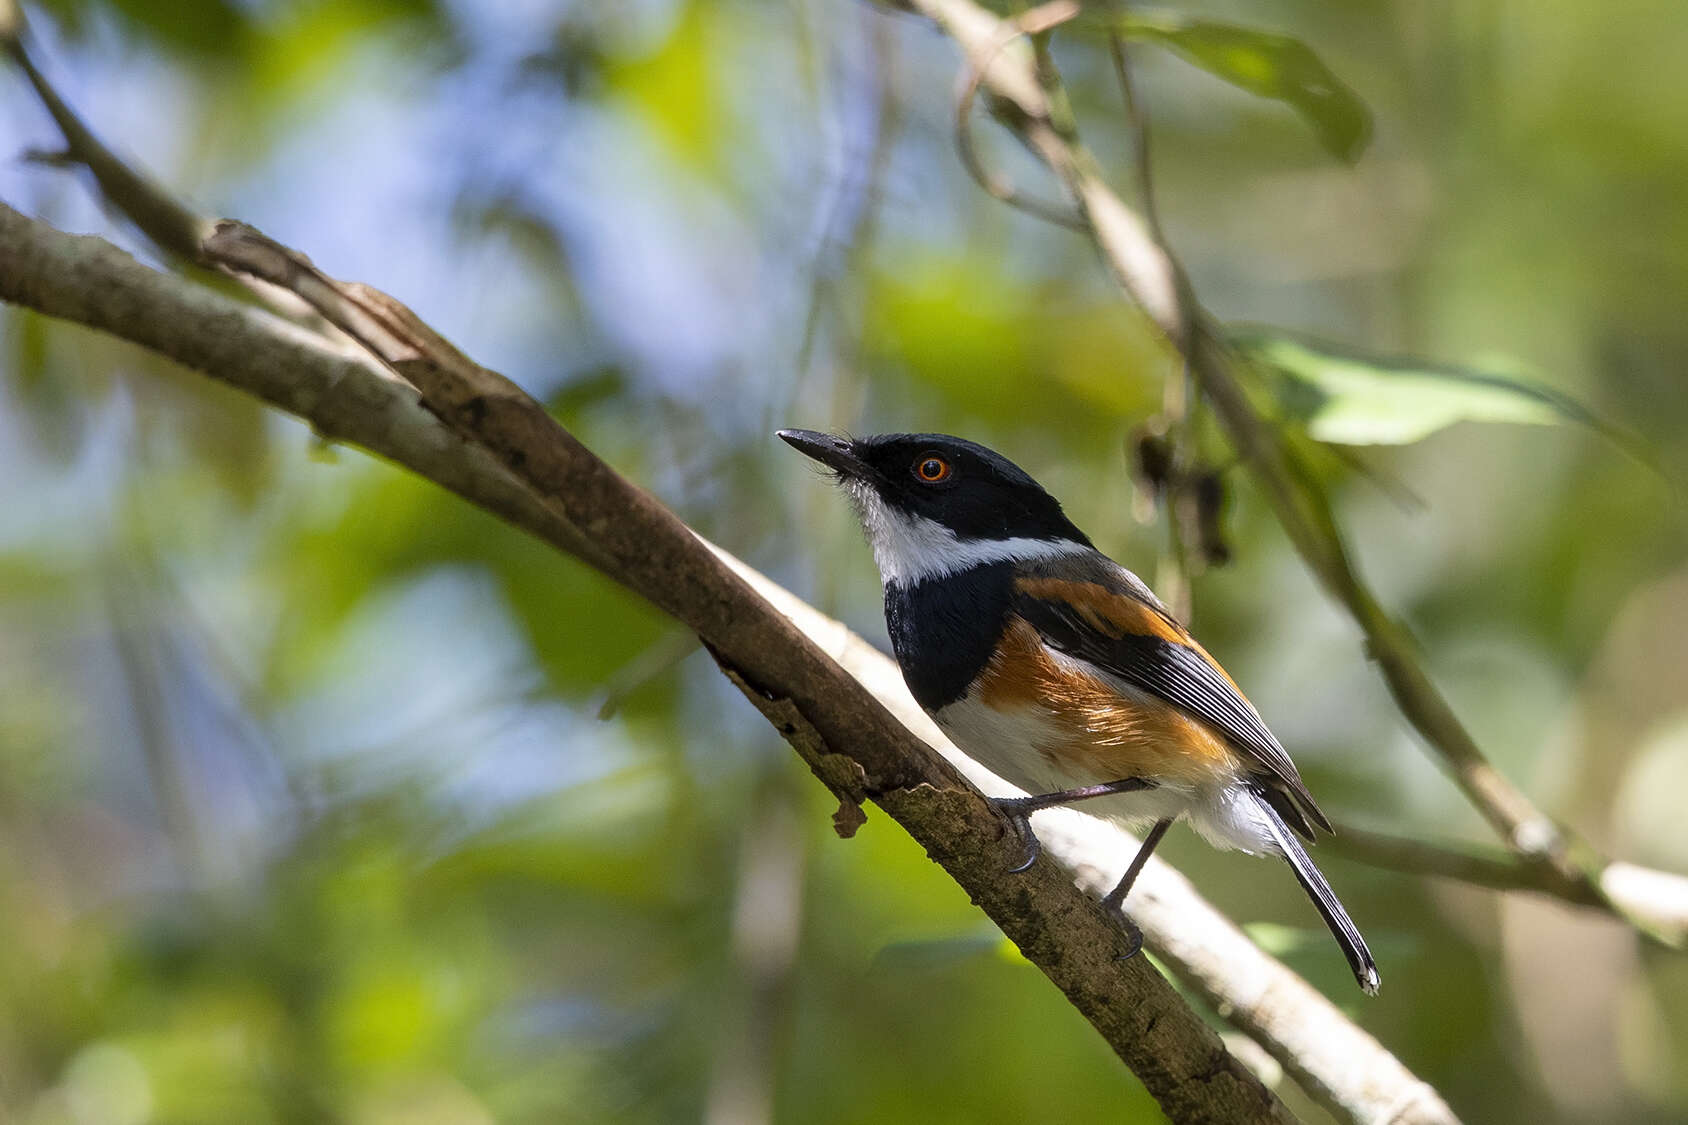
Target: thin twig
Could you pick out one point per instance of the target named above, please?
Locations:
(1040, 19)
(1495, 868)
(1658, 897)
(165, 221)
(176, 229)
(1137, 118)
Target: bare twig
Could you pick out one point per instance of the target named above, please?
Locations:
(1137, 118)
(1659, 897)
(1036, 21)
(176, 229)
(1173, 574)
(169, 224)
(1492, 867)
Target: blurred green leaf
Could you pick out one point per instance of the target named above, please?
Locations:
(1267, 64)
(984, 337)
(309, 46)
(1352, 399)
(675, 89)
(28, 370)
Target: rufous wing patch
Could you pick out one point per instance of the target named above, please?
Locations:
(1109, 613)
(1096, 732)
(1116, 615)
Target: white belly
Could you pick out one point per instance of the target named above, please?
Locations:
(1006, 743)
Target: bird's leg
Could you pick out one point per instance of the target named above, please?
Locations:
(1115, 899)
(1019, 809)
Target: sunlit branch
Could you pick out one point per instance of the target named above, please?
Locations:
(1658, 897)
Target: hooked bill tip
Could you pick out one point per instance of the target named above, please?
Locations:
(833, 452)
(802, 438)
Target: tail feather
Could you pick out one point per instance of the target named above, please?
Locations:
(1330, 909)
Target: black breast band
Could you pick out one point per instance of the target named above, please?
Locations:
(944, 631)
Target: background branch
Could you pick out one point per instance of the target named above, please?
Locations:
(1657, 898)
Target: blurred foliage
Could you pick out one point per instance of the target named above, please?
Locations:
(306, 812)
(1347, 398)
(1267, 64)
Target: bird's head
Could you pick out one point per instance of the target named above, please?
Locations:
(933, 505)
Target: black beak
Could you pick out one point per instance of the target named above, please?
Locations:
(833, 452)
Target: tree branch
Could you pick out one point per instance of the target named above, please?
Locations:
(1658, 897)
(851, 742)
(1028, 100)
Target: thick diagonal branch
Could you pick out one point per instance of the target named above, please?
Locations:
(840, 729)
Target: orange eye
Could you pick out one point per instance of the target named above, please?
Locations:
(932, 469)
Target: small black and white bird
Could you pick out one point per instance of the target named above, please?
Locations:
(1059, 670)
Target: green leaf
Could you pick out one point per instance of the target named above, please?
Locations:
(1269, 65)
(1348, 398)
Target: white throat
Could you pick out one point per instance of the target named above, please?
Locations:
(911, 549)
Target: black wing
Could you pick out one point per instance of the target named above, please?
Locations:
(1141, 644)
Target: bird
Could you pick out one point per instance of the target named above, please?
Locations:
(1060, 671)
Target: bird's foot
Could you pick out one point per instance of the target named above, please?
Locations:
(1133, 939)
(1019, 810)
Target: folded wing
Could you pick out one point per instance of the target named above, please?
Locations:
(1093, 610)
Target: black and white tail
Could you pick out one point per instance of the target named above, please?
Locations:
(1341, 926)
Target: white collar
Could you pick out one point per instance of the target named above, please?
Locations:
(911, 549)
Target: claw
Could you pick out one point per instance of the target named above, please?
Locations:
(1023, 826)
(1133, 938)
(1033, 850)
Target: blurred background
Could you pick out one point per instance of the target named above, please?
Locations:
(325, 797)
